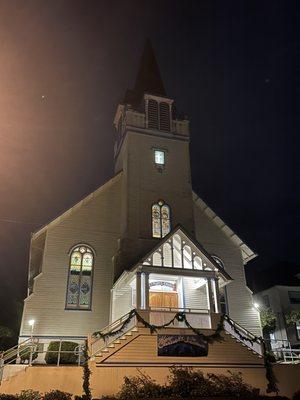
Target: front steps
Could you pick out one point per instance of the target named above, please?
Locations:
(115, 345)
(138, 347)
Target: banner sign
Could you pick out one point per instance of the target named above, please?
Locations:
(181, 346)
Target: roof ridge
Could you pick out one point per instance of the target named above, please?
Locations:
(78, 204)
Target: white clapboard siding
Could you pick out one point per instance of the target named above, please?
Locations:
(194, 297)
(94, 222)
(216, 242)
(122, 302)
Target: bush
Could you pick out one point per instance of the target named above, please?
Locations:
(296, 395)
(140, 387)
(232, 385)
(65, 358)
(108, 398)
(57, 395)
(186, 383)
(24, 354)
(4, 396)
(29, 395)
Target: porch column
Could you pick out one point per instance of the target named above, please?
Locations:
(138, 282)
(210, 295)
(217, 296)
(146, 290)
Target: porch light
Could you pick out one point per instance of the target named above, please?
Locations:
(31, 323)
(256, 306)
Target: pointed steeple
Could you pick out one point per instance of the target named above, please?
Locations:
(148, 78)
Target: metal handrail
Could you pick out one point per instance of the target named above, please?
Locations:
(112, 326)
(7, 354)
(255, 345)
(14, 354)
(245, 331)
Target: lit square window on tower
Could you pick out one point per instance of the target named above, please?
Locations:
(159, 156)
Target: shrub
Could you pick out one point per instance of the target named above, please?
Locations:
(4, 396)
(232, 385)
(65, 358)
(140, 387)
(296, 395)
(185, 382)
(29, 395)
(108, 398)
(24, 354)
(57, 395)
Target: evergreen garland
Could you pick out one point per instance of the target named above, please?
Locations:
(270, 376)
(216, 336)
(86, 375)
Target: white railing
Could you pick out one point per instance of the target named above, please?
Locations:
(98, 344)
(28, 351)
(291, 356)
(249, 340)
(197, 318)
(283, 351)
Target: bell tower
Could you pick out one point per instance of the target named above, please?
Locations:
(152, 151)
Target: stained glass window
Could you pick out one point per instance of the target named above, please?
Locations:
(80, 278)
(161, 219)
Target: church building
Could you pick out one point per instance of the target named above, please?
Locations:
(146, 241)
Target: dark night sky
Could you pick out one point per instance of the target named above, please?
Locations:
(231, 66)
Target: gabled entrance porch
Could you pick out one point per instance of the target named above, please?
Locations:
(177, 275)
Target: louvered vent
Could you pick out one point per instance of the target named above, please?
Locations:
(164, 117)
(152, 114)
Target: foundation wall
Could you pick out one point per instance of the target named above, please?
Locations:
(107, 380)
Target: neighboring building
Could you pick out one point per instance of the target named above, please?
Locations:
(282, 299)
(143, 240)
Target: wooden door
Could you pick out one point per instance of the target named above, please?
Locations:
(163, 299)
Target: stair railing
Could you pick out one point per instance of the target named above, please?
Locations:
(98, 344)
(12, 355)
(250, 340)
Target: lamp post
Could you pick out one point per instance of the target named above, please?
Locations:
(31, 323)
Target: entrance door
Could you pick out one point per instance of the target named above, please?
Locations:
(163, 299)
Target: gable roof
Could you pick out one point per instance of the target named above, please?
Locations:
(247, 253)
(179, 229)
(78, 205)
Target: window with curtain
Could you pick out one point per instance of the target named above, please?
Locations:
(79, 291)
(161, 219)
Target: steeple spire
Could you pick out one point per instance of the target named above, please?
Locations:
(148, 78)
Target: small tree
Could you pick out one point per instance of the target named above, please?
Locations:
(293, 317)
(6, 337)
(268, 320)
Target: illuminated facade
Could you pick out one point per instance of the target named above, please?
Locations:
(143, 240)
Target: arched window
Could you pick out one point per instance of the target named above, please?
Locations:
(218, 261)
(161, 219)
(79, 292)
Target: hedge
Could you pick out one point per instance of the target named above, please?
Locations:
(65, 358)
